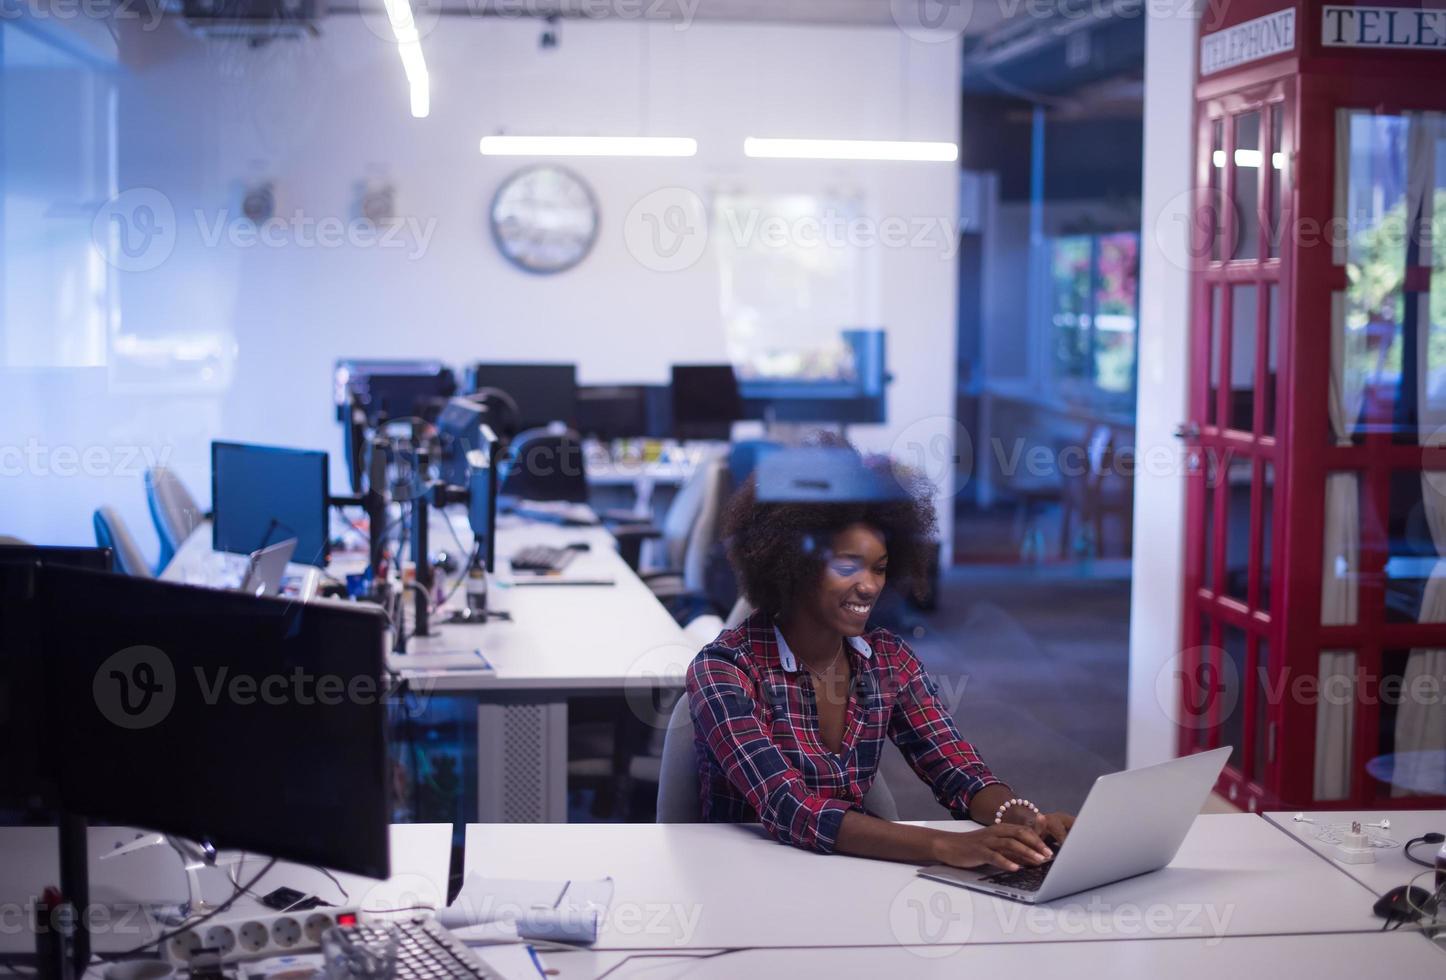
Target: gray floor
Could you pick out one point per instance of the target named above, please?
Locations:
(1036, 674)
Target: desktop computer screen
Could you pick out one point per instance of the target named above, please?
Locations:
(544, 392)
(482, 501)
(26, 786)
(394, 389)
(252, 723)
(705, 401)
(459, 431)
(262, 494)
(607, 412)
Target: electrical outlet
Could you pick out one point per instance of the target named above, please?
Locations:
(256, 936)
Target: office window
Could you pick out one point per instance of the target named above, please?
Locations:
(794, 271)
(56, 115)
(1093, 317)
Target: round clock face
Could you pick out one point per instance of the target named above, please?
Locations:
(544, 219)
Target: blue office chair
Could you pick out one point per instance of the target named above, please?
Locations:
(111, 532)
(545, 464)
(173, 510)
(678, 800)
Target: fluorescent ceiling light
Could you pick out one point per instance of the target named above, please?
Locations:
(795, 149)
(409, 44)
(589, 146)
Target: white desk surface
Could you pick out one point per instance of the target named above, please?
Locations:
(1391, 867)
(560, 637)
(1321, 957)
(720, 885)
(421, 854)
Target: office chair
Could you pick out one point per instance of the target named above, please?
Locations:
(173, 510)
(111, 532)
(546, 464)
(678, 775)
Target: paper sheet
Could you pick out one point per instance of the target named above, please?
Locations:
(560, 911)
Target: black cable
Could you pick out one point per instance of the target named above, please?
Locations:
(1431, 838)
(681, 954)
(237, 892)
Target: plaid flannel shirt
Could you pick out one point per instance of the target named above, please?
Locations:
(760, 755)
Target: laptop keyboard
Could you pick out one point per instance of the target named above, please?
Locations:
(1026, 879)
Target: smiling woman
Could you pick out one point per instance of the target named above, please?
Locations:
(791, 708)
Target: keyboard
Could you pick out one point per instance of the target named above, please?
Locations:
(1026, 879)
(426, 951)
(542, 558)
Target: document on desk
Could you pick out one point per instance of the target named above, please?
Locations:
(471, 661)
(558, 911)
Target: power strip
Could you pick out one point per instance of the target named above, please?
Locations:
(257, 936)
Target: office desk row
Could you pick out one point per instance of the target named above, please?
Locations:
(562, 640)
(1242, 898)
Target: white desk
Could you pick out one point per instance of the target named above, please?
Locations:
(582, 638)
(197, 563)
(1321, 957)
(1391, 867)
(561, 641)
(695, 886)
(29, 856)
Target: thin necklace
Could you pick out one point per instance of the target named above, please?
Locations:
(831, 663)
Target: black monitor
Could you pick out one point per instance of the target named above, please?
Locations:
(95, 559)
(544, 392)
(607, 412)
(705, 401)
(250, 723)
(458, 431)
(354, 440)
(262, 494)
(22, 726)
(391, 389)
(482, 501)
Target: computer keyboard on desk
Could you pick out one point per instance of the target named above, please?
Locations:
(425, 951)
(542, 558)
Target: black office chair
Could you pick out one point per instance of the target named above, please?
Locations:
(545, 464)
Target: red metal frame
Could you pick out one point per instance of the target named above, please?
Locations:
(1307, 85)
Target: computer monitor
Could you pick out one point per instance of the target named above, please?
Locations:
(354, 440)
(393, 389)
(251, 723)
(482, 502)
(544, 392)
(262, 494)
(95, 559)
(458, 432)
(26, 787)
(607, 412)
(705, 401)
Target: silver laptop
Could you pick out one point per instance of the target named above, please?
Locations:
(1131, 823)
(266, 568)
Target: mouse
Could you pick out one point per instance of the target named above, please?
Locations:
(1404, 902)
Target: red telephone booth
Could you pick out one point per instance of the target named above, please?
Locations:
(1315, 613)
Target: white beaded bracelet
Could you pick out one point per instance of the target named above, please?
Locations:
(1017, 801)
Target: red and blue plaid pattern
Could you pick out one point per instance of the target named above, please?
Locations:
(760, 756)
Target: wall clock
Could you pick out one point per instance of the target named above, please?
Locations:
(544, 219)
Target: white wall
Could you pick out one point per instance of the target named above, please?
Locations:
(221, 341)
(1157, 585)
